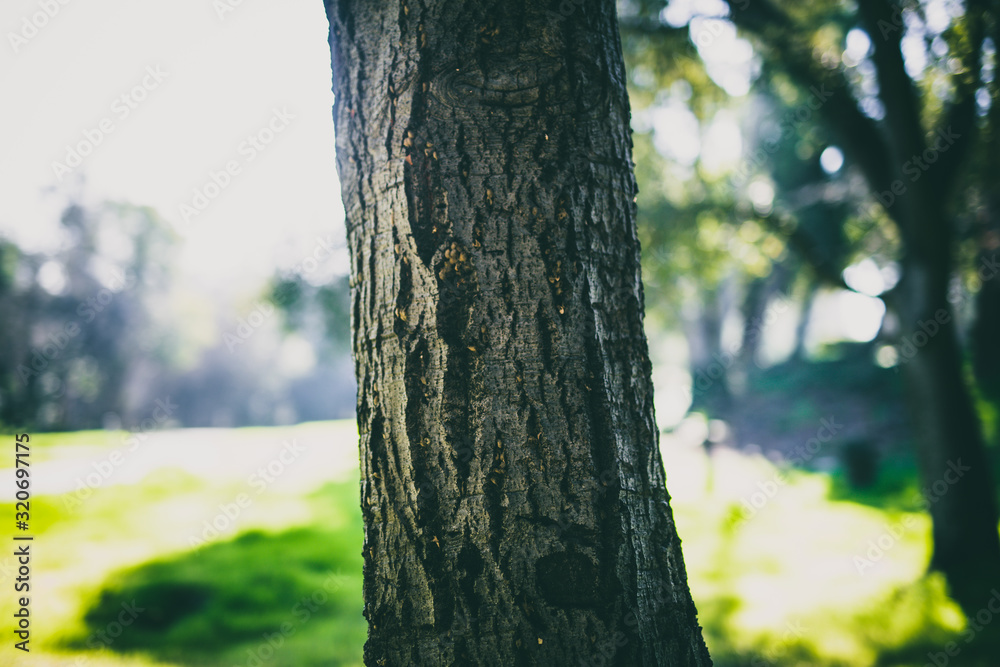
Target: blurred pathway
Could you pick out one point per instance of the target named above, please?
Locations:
(295, 457)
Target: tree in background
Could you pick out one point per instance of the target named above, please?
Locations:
(99, 327)
(920, 136)
(512, 488)
(81, 318)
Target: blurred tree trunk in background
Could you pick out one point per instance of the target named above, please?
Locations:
(513, 492)
(957, 473)
(710, 363)
(759, 298)
(802, 328)
(986, 329)
(753, 309)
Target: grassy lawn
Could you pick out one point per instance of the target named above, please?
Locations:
(211, 563)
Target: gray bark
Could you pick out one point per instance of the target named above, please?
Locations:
(512, 489)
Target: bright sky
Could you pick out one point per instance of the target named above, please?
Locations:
(249, 87)
(161, 96)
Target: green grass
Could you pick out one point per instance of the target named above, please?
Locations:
(282, 580)
(295, 592)
(783, 587)
(51, 446)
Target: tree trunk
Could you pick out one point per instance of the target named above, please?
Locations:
(512, 488)
(959, 488)
(985, 334)
(710, 364)
(802, 328)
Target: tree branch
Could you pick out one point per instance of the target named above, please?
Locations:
(825, 270)
(961, 114)
(883, 23)
(859, 135)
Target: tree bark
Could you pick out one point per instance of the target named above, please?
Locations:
(512, 488)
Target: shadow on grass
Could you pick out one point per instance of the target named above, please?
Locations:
(290, 598)
(293, 598)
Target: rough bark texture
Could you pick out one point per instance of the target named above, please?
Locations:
(512, 488)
